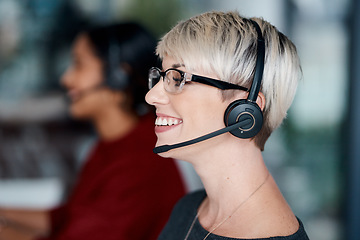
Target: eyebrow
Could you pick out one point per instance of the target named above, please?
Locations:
(177, 65)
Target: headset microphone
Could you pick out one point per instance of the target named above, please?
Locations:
(165, 148)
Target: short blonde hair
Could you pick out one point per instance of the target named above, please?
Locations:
(224, 43)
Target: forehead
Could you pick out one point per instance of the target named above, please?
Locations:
(170, 62)
(193, 67)
(82, 46)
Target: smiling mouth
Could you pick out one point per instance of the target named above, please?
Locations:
(162, 121)
(73, 96)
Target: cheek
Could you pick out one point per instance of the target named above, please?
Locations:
(91, 78)
(204, 115)
(83, 77)
(89, 105)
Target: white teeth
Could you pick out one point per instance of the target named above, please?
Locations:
(166, 121)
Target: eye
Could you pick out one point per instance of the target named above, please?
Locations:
(177, 80)
(174, 77)
(77, 63)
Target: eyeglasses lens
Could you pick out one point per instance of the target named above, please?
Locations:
(154, 77)
(173, 80)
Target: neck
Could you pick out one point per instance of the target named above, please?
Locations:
(230, 177)
(243, 200)
(114, 123)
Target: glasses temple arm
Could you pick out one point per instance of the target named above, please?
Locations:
(217, 83)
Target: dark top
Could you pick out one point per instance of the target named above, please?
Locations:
(124, 191)
(184, 214)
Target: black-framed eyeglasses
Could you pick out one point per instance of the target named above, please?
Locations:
(174, 80)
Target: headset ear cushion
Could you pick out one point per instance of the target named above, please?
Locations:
(248, 112)
(117, 79)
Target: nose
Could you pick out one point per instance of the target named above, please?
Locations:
(65, 79)
(157, 95)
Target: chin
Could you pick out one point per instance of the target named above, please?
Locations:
(173, 153)
(165, 155)
(78, 115)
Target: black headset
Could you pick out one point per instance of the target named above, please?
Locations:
(116, 77)
(247, 110)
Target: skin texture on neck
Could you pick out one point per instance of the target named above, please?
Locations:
(231, 173)
(229, 178)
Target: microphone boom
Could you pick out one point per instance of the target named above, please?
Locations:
(165, 148)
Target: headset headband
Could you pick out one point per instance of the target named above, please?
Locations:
(259, 67)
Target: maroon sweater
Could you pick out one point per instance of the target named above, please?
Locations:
(124, 191)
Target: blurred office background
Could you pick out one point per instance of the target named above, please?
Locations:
(314, 156)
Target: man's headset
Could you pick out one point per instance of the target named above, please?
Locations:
(243, 118)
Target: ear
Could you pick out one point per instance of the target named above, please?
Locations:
(260, 101)
(126, 67)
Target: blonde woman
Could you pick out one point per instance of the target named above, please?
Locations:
(223, 72)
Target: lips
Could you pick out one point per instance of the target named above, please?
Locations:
(73, 95)
(164, 123)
